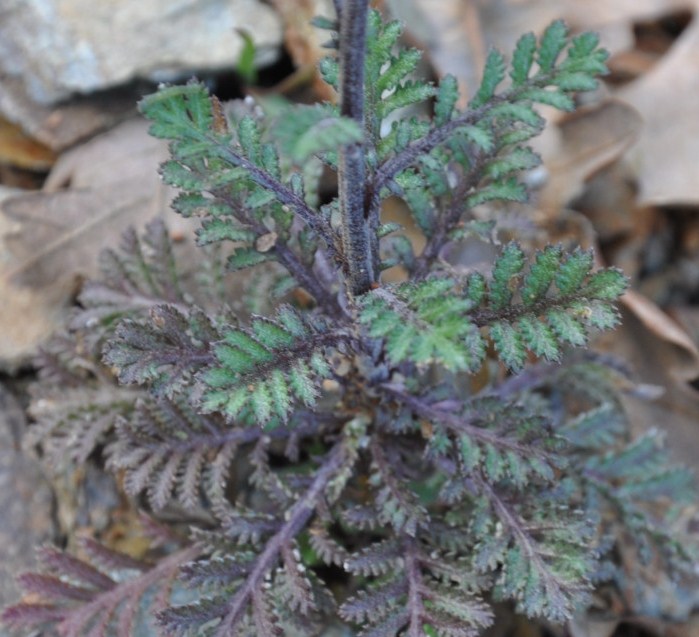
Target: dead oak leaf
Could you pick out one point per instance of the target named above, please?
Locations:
(667, 153)
(52, 238)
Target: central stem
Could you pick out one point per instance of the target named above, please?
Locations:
(357, 246)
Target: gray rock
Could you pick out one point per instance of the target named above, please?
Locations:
(62, 47)
(63, 125)
(26, 502)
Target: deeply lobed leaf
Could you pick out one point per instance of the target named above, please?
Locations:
(263, 371)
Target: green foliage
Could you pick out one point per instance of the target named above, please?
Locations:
(424, 323)
(266, 368)
(438, 320)
(314, 130)
(245, 66)
(388, 69)
(164, 352)
(398, 433)
(171, 453)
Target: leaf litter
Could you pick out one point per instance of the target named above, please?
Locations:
(624, 168)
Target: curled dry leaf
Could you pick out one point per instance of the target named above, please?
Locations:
(303, 41)
(587, 141)
(667, 152)
(18, 149)
(52, 238)
(668, 330)
(659, 357)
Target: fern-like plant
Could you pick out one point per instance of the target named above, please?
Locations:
(393, 457)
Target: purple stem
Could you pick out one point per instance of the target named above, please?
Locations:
(414, 576)
(459, 424)
(295, 521)
(164, 570)
(352, 180)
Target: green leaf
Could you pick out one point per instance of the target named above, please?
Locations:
(574, 270)
(175, 174)
(505, 275)
(400, 66)
(576, 82)
(195, 204)
(249, 138)
(330, 71)
(408, 94)
(518, 112)
(520, 158)
(509, 346)
(553, 41)
(447, 96)
(267, 368)
(221, 229)
(522, 59)
(541, 275)
(608, 284)
(539, 338)
(566, 327)
(583, 45)
(481, 137)
(554, 98)
(507, 190)
(325, 23)
(476, 289)
(425, 323)
(305, 131)
(246, 258)
(601, 315)
(493, 74)
(245, 66)
(176, 109)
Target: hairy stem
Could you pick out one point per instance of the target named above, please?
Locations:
(289, 259)
(283, 193)
(356, 240)
(77, 620)
(295, 521)
(460, 425)
(307, 279)
(414, 576)
(408, 156)
(448, 220)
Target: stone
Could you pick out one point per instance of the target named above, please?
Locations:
(65, 124)
(26, 502)
(64, 47)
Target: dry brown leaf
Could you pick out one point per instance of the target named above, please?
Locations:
(587, 141)
(18, 149)
(588, 625)
(63, 125)
(452, 33)
(303, 41)
(594, 13)
(667, 97)
(668, 330)
(52, 238)
(659, 361)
